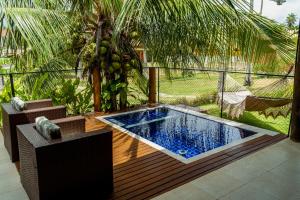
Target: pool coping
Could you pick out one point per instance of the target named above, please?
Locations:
(259, 132)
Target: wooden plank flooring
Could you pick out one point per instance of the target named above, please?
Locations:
(142, 172)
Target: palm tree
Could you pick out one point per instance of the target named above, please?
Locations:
(248, 80)
(279, 2)
(261, 7)
(251, 6)
(248, 77)
(111, 30)
(35, 45)
(291, 21)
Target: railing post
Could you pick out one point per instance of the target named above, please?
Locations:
(222, 98)
(2, 80)
(11, 79)
(158, 100)
(152, 85)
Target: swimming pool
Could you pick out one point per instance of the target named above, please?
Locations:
(183, 134)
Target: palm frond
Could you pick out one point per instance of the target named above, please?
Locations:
(185, 33)
(31, 28)
(54, 68)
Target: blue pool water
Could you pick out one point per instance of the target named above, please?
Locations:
(182, 133)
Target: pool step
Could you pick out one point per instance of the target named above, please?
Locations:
(150, 121)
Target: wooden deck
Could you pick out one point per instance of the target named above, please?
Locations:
(142, 172)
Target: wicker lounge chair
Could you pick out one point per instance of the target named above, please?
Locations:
(12, 117)
(77, 166)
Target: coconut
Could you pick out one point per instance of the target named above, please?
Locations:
(116, 57)
(102, 65)
(105, 43)
(127, 67)
(134, 35)
(111, 69)
(116, 65)
(133, 62)
(103, 50)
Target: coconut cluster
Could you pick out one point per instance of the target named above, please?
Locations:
(89, 54)
(76, 39)
(114, 60)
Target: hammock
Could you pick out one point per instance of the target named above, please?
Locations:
(237, 99)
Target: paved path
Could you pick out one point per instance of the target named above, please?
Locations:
(272, 173)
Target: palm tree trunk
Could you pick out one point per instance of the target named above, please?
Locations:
(295, 122)
(251, 5)
(97, 88)
(96, 69)
(248, 78)
(261, 7)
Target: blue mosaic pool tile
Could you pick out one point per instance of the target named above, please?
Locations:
(182, 133)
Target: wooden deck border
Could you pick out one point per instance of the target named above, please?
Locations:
(142, 172)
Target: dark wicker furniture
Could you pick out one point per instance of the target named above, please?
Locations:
(77, 166)
(12, 117)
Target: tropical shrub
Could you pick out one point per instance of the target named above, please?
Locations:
(77, 98)
(110, 90)
(76, 95)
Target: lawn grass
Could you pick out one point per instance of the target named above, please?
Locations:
(200, 90)
(280, 124)
(204, 83)
(193, 86)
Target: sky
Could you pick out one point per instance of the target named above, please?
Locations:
(278, 13)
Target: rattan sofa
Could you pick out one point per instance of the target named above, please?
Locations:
(12, 117)
(77, 166)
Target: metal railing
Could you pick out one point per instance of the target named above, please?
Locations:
(11, 75)
(195, 87)
(200, 87)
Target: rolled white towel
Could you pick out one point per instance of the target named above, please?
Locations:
(47, 129)
(18, 104)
